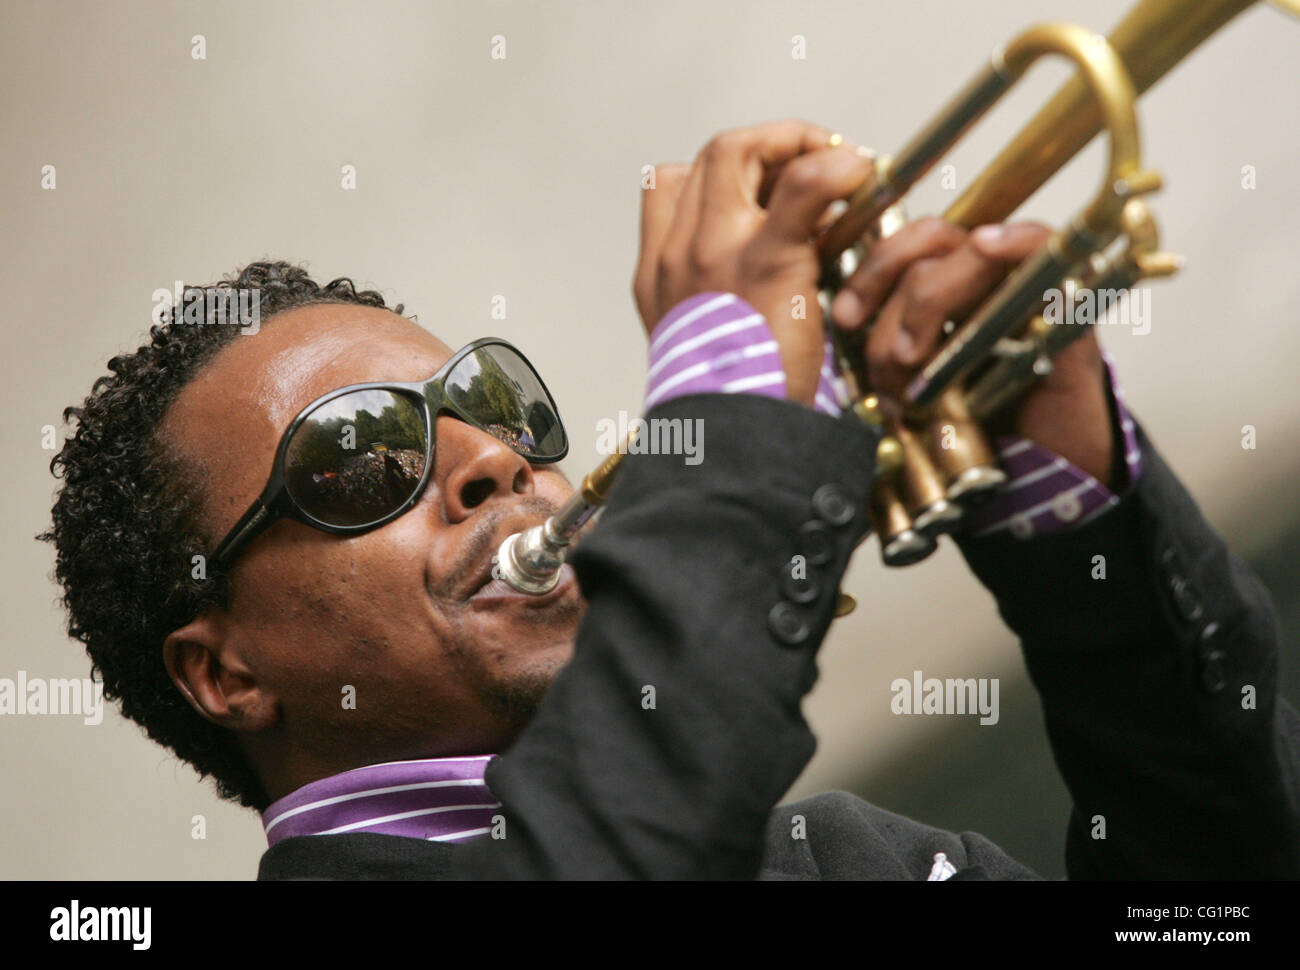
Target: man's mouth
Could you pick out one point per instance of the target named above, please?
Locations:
(498, 589)
(484, 588)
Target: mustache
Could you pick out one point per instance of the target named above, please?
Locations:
(485, 535)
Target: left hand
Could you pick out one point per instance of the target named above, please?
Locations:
(741, 220)
(929, 272)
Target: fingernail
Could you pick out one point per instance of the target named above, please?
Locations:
(989, 235)
(847, 309)
(903, 345)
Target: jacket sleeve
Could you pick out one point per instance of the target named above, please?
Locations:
(1155, 654)
(662, 747)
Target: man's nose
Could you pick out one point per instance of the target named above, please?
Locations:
(471, 467)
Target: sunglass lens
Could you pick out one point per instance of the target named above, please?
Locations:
(496, 387)
(357, 458)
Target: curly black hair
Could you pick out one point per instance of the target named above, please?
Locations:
(126, 520)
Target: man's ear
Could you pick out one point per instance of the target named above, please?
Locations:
(204, 662)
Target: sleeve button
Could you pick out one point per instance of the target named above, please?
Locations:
(1213, 677)
(1189, 607)
(832, 505)
(787, 624)
(798, 589)
(1205, 645)
(815, 544)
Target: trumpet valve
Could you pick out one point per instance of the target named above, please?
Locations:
(900, 543)
(961, 451)
(923, 487)
(976, 483)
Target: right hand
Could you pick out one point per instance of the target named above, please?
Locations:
(740, 219)
(931, 271)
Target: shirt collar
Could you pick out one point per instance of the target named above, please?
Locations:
(439, 799)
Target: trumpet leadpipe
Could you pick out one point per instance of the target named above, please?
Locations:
(530, 561)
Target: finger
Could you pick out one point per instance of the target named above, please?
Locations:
(806, 188)
(686, 215)
(736, 164)
(1076, 371)
(840, 206)
(657, 207)
(1011, 242)
(866, 290)
(658, 204)
(773, 172)
(723, 180)
(832, 213)
(675, 252)
(909, 328)
(882, 371)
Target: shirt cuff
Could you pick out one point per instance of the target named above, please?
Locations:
(1044, 493)
(716, 343)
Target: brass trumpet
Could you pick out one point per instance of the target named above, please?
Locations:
(934, 460)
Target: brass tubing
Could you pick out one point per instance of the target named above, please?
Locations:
(1153, 37)
(596, 485)
(1105, 79)
(1109, 85)
(1109, 89)
(894, 176)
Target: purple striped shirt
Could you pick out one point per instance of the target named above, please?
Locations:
(716, 342)
(438, 799)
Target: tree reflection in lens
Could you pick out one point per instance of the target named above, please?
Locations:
(504, 396)
(357, 458)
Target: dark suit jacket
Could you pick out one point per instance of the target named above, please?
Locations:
(1141, 676)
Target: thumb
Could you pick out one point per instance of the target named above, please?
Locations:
(807, 186)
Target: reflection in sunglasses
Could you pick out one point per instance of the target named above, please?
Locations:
(336, 482)
(364, 487)
(517, 439)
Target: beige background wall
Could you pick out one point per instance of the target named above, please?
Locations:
(520, 177)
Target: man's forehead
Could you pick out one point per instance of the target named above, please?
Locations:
(301, 354)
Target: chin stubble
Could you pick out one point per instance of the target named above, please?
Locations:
(513, 694)
(511, 680)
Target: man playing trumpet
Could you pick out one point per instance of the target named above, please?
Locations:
(495, 734)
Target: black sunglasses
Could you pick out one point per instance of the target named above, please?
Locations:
(360, 456)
